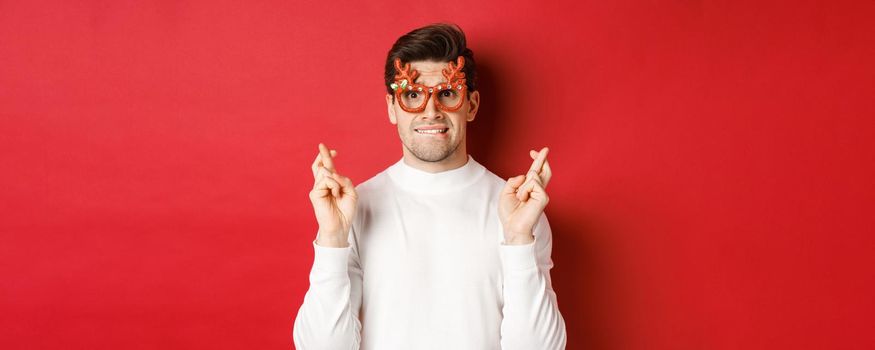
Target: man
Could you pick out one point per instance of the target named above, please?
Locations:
(435, 252)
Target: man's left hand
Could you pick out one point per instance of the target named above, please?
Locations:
(523, 199)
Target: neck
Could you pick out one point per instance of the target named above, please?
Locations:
(454, 161)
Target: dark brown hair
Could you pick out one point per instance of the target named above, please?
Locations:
(441, 42)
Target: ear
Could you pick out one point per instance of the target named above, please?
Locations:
(390, 105)
(473, 105)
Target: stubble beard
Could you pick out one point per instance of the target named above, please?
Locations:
(430, 151)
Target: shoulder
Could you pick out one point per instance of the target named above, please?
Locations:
(493, 181)
(375, 184)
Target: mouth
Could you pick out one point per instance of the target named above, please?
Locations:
(431, 130)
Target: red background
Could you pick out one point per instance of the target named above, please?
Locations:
(713, 163)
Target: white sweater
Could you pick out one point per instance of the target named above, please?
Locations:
(427, 268)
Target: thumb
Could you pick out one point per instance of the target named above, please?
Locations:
(513, 184)
(345, 184)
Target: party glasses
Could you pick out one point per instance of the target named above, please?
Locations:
(413, 97)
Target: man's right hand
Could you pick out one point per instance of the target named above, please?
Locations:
(333, 197)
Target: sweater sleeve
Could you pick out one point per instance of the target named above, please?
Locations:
(531, 313)
(329, 316)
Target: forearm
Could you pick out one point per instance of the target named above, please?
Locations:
(326, 319)
(531, 314)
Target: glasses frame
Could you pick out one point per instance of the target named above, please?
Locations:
(404, 82)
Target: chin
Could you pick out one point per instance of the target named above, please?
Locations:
(436, 159)
(431, 156)
(430, 150)
(433, 153)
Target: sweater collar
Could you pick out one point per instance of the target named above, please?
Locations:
(415, 180)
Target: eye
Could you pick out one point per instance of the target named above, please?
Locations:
(448, 93)
(412, 94)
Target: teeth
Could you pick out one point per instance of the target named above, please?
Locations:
(432, 131)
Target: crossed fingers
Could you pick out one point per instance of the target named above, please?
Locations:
(324, 163)
(536, 178)
(325, 176)
(540, 167)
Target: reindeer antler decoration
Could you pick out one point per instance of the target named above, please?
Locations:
(403, 75)
(454, 73)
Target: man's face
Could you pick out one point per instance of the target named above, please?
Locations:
(433, 134)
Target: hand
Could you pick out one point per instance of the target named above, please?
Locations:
(333, 197)
(523, 199)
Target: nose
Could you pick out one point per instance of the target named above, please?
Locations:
(431, 111)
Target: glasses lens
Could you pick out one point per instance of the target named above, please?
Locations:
(450, 98)
(413, 98)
